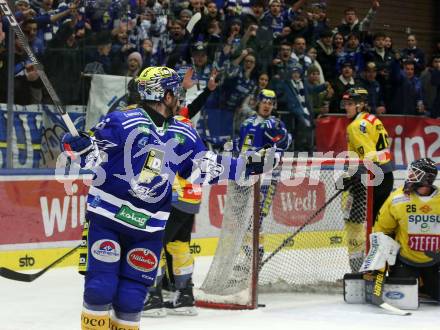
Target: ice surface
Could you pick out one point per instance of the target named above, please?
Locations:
(53, 302)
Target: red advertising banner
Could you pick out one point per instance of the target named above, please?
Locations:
(292, 204)
(39, 210)
(411, 137)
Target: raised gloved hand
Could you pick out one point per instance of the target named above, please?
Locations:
(76, 146)
(262, 160)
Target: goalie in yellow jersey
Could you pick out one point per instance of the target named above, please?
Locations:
(411, 215)
(368, 138)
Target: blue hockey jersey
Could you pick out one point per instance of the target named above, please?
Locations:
(135, 163)
(256, 132)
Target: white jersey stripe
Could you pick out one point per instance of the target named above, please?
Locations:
(106, 197)
(133, 119)
(140, 121)
(180, 128)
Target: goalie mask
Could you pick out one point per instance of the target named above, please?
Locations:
(154, 82)
(421, 173)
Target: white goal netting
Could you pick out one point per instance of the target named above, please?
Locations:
(298, 247)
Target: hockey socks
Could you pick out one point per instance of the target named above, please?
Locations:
(183, 262)
(123, 325)
(95, 320)
(355, 233)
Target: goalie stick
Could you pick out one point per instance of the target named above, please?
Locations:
(4, 8)
(376, 294)
(23, 277)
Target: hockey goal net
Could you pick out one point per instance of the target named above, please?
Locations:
(288, 232)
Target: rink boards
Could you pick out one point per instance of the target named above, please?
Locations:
(42, 216)
(37, 255)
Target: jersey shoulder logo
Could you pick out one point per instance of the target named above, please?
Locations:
(363, 126)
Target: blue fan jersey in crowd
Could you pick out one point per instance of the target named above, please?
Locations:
(256, 132)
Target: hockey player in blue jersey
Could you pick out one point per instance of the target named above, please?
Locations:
(262, 128)
(135, 155)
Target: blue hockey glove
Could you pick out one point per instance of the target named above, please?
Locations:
(76, 146)
(278, 135)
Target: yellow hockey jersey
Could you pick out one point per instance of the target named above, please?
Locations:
(186, 196)
(415, 222)
(368, 138)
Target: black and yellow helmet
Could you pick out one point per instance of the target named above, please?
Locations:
(356, 94)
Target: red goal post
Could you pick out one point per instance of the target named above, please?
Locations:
(287, 233)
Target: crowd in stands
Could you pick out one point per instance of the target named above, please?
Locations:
(288, 46)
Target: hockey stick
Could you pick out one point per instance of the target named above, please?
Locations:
(264, 207)
(4, 8)
(23, 277)
(289, 239)
(269, 193)
(193, 21)
(377, 292)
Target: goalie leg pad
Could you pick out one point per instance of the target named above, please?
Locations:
(183, 262)
(354, 289)
(429, 278)
(398, 292)
(402, 293)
